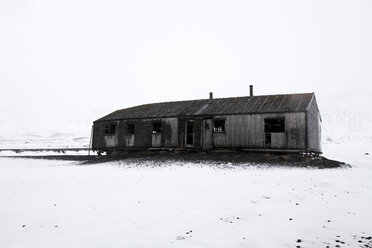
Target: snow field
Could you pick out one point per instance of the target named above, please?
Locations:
(47, 203)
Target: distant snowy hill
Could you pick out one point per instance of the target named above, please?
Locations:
(345, 118)
(39, 129)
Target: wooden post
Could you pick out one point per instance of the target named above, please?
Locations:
(90, 141)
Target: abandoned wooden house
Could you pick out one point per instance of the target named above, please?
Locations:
(287, 123)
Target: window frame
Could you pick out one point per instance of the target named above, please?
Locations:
(222, 127)
(110, 129)
(156, 127)
(131, 128)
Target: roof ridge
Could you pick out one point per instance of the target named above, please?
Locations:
(215, 106)
(220, 98)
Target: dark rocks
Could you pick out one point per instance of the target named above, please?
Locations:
(221, 158)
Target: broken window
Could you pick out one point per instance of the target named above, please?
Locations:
(156, 127)
(130, 129)
(219, 126)
(274, 125)
(110, 129)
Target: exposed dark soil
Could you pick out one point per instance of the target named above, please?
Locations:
(231, 158)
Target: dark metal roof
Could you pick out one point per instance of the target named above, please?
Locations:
(218, 106)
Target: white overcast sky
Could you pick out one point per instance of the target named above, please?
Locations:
(76, 55)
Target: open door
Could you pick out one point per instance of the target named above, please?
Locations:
(189, 133)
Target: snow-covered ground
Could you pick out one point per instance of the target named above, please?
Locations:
(47, 203)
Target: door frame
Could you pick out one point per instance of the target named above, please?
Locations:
(193, 133)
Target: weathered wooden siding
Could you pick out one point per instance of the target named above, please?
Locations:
(313, 127)
(170, 132)
(142, 137)
(249, 131)
(295, 128)
(279, 140)
(100, 139)
(241, 131)
(207, 137)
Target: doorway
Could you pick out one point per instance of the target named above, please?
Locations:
(189, 133)
(275, 132)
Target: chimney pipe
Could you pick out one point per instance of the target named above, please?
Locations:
(210, 95)
(250, 90)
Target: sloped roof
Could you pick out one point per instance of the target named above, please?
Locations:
(217, 106)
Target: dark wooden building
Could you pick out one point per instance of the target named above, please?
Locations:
(289, 123)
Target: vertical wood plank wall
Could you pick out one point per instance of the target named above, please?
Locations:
(313, 127)
(241, 131)
(249, 131)
(142, 133)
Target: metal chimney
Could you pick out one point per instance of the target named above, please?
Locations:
(210, 95)
(250, 90)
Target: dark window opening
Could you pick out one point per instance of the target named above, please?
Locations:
(130, 129)
(110, 129)
(156, 127)
(219, 126)
(274, 125)
(190, 133)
